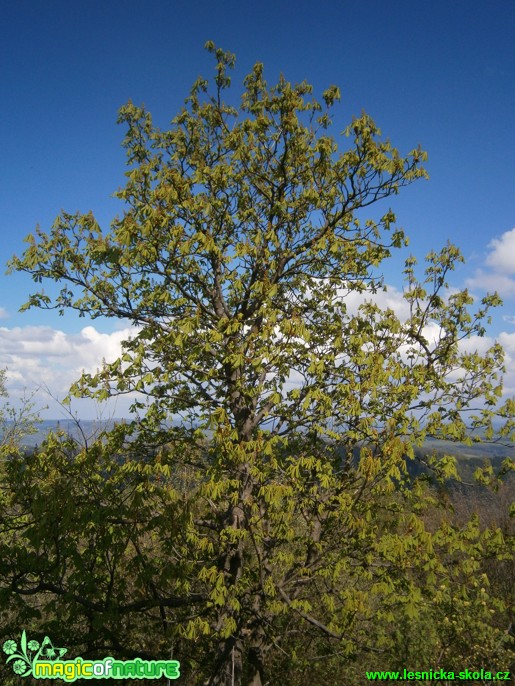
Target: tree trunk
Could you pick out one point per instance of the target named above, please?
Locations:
(229, 665)
(256, 665)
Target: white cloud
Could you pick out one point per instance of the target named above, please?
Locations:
(502, 255)
(507, 340)
(500, 276)
(392, 298)
(40, 356)
(3, 313)
(491, 281)
(46, 358)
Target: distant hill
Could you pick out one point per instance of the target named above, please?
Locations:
(90, 428)
(469, 457)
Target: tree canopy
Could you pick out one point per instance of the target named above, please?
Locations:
(258, 513)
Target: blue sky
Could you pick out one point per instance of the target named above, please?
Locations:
(436, 73)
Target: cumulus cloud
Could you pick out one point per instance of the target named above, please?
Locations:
(393, 299)
(40, 356)
(502, 253)
(500, 260)
(46, 358)
(507, 340)
(492, 281)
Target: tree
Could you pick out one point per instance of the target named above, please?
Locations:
(266, 463)
(15, 422)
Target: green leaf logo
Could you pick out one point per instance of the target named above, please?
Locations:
(22, 658)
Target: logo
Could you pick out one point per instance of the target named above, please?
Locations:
(44, 661)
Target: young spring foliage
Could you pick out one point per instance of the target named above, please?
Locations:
(246, 230)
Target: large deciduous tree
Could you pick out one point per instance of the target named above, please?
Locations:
(257, 504)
